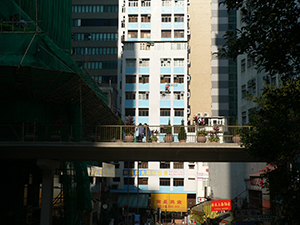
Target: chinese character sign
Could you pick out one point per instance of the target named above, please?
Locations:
(221, 205)
(169, 202)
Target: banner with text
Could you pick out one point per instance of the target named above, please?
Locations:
(169, 202)
(143, 172)
(221, 205)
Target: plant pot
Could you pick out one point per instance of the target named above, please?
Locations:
(213, 141)
(93, 137)
(154, 141)
(201, 139)
(236, 139)
(129, 138)
(29, 137)
(168, 138)
(55, 137)
(182, 141)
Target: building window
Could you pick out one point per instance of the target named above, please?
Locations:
(178, 79)
(143, 164)
(178, 95)
(132, 19)
(178, 165)
(164, 181)
(179, 18)
(128, 181)
(143, 181)
(179, 62)
(144, 79)
(178, 34)
(165, 62)
(145, 34)
(243, 65)
(128, 164)
(114, 186)
(116, 179)
(130, 63)
(144, 62)
(244, 118)
(191, 166)
(130, 112)
(129, 46)
(178, 182)
(133, 3)
(130, 95)
(94, 8)
(165, 34)
(143, 95)
(166, 18)
(179, 2)
(132, 34)
(178, 112)
(165, 96)
(143, 112)
(145, 18)
(130, 79)
(146, 3)
(165, 112)
(243, 91)
(249, 61)
(165, 165)
(178, 46)
(144, 46)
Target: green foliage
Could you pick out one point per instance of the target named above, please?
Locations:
(169, 128)
(182, 133)
(275, 138)
(269, 35)
(154, 138)
(202, 132)
(214, 138)
(56, 132)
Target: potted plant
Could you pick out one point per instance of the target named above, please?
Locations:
(201, 136)
(182, 133)
(154, 139)
(129, 130)
(169, 137)
(214, 139)
(56, 135)
(236, 137)
(214, 135)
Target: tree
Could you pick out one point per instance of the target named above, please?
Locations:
(275, 138)
(269, 35)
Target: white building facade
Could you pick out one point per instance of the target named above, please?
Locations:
(153, 61)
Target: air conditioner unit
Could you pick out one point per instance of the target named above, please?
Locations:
(188, 32)
(188, 111)
(189, 48)
(188, 94)
(149, 15)
(175, 75)
(188, 62)
(206, 114)
(188, 2)
(199, 114)
(207, 191)
(140, 75)
(188, 16)
(188, 77)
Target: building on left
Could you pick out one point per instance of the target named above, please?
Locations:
(44, 92)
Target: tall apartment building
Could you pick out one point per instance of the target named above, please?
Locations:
(94, 45)
(153, 61)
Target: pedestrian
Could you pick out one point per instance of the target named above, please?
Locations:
(140, 133)
(147, 132)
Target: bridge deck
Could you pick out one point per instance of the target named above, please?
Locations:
(122, 151)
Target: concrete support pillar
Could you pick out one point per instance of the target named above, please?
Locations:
(48, 167)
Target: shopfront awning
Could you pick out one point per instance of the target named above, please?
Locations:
(131, 200)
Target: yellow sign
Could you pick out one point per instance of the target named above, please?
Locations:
(169, 202)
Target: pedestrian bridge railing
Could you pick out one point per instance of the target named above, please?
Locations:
(115, 133)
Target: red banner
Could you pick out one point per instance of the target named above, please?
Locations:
(221, 205)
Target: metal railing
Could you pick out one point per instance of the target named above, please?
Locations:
(109, 133)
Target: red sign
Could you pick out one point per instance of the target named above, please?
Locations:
(221, 205)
